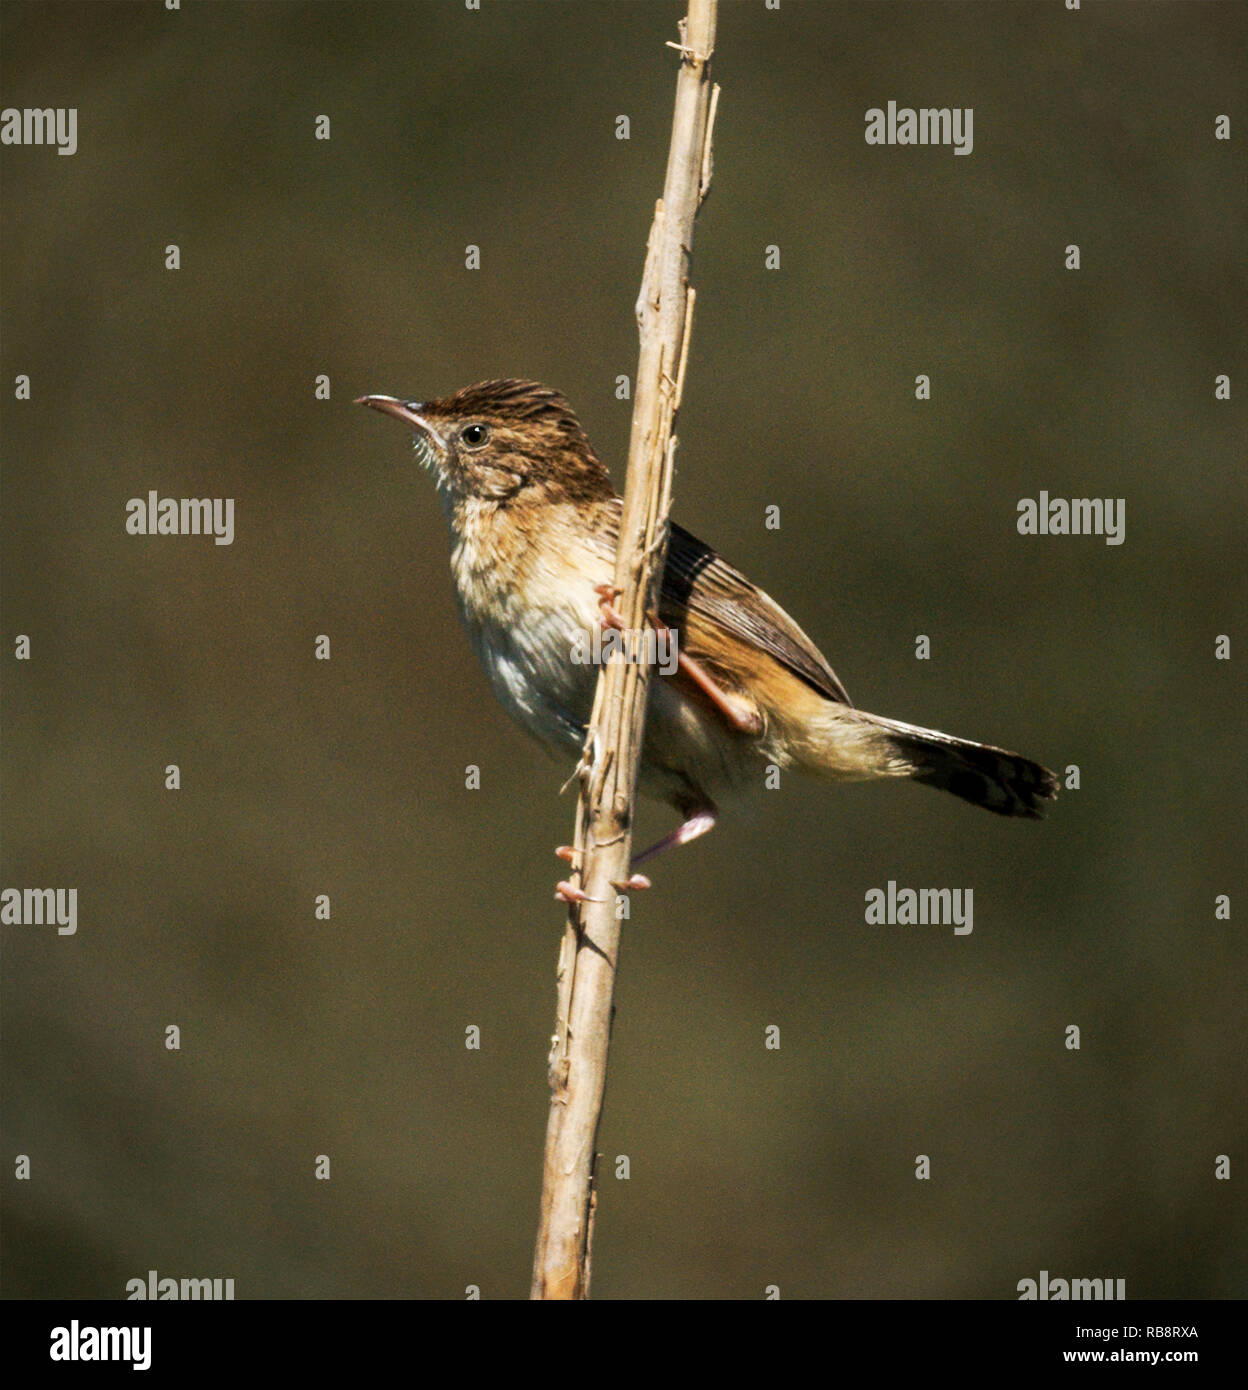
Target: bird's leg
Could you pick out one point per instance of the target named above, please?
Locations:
(696, 823)
(740, 714)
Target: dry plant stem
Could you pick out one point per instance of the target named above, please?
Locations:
(608, 772)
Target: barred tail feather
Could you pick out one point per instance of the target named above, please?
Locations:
(993, 778)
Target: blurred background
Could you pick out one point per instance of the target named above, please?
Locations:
(300, 777)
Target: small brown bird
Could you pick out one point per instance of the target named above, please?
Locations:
(534, 523)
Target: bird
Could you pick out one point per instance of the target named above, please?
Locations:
(534, 523)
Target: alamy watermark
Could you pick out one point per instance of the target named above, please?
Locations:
(168, 1289)
(929, 125)
(650, 647)
(1074, 516)
(33, 125)
(181, 516)
(78, 1343)
(40, 907)
(938, 907)
(1053, 1289)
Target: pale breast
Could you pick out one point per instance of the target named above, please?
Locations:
(530, 610)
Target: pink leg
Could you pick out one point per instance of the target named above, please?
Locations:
(739, 713)
(697, 823)
(742, 717)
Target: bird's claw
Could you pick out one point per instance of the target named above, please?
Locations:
(607, 594)
(565, 892)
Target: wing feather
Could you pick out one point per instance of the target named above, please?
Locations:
(699, 581)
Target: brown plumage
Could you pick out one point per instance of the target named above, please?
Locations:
(534, 521)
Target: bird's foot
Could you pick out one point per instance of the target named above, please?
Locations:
(607, 595)
(566, 892)
(635, 883)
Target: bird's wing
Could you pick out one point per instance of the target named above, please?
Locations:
(713, 605)
(699, 581)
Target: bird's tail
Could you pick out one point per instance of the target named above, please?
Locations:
(849, 744)
(990, 777)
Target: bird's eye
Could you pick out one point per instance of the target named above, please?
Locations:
(474, 435)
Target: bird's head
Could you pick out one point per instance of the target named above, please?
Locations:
(502, 440)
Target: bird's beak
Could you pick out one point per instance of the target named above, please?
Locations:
(407, 411)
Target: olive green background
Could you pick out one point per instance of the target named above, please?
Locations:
(748, 1167)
